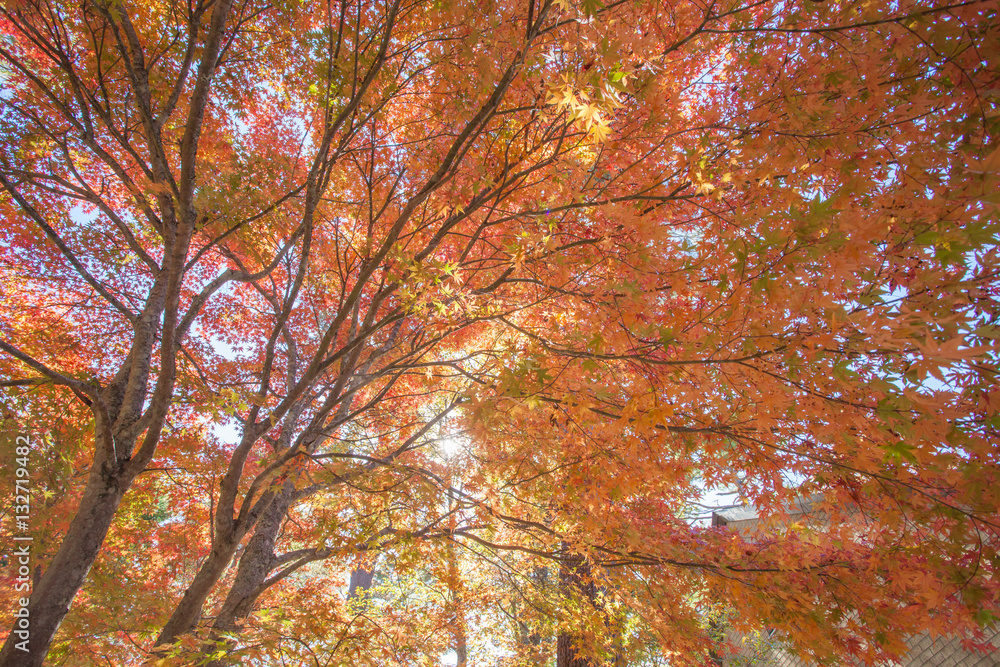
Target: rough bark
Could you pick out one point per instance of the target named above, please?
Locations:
(574, 578)
(130, 389)
(51, 598)
(229, 532)
(567, 655)
(120, 409)
(255, 564)
(188, 610)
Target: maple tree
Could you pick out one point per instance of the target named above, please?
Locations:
(491, 295)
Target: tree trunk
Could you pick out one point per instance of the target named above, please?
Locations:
(567, 656)
(461, 648)
(51, 598)
(457, 620)
(188, 610)
(361, 581)
(574, 578)
(256, 563)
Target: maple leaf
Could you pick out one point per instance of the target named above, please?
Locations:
(333, 339)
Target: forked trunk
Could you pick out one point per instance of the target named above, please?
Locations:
(188, 610)
(255, 564)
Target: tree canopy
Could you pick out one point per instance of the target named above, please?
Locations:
(362, 331)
